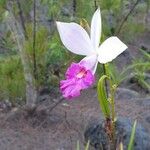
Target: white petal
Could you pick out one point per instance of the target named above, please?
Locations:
(110, 49)
(96, 28)
(90, 62)
(75, 38)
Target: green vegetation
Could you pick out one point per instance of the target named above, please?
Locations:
(141, 68)
(50, 56)
(11, 79)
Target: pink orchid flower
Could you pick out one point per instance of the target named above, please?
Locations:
(78, 77)
(77, 40)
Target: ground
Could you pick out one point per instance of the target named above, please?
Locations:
(59, 127)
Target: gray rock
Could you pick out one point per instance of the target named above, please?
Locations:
(123, 93)
(98, 138)
(143, 101)
(148, 119)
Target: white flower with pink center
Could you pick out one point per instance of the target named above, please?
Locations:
(77, 40)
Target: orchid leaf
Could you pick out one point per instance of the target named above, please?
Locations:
(104, 103)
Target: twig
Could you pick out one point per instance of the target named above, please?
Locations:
(60, 100)
(95, 4)
(74, 7)
(34, 40)
(126, 17)
(18, 35)
(22, 18)
(51, 108)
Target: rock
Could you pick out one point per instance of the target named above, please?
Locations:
(5, 106)
(123, 93)
(148, 119)
(43, 97)
(99, 139)
(123, 60)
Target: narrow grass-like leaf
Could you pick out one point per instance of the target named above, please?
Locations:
(143, 64)
(87, 145)
(145, 84)
(104, 103)
(147, 55)
(121, 146)
(78, 146)
(131, 142)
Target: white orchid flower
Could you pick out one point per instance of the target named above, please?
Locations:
(77, 40)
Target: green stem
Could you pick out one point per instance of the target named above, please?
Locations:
(112, 90)
(112, 101)
(113, 111)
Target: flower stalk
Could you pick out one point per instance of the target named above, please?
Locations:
(112, 93)
(112, 101)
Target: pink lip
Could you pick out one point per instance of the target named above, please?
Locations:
(77, 79)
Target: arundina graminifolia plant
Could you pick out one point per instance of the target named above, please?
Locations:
(80, 75)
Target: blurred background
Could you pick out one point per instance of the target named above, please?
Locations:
(33, 60)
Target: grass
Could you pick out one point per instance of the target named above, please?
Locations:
(11, 79)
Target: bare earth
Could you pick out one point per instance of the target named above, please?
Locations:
(60, 128)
